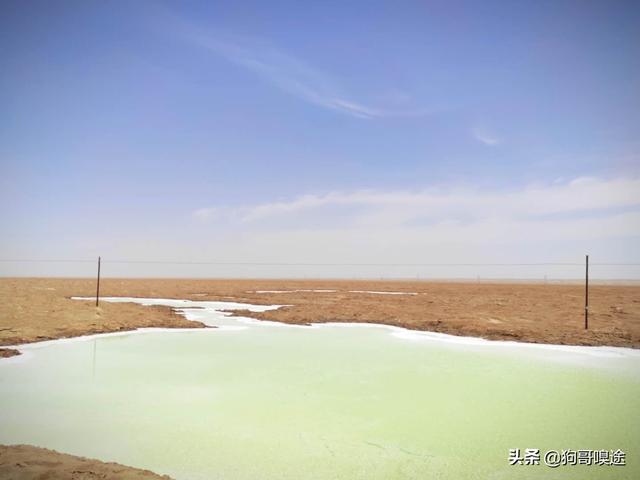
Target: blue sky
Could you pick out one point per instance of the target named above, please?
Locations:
(158, 130)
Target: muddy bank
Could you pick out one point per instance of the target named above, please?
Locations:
(40, 309)
(8, 352)
(25, 462)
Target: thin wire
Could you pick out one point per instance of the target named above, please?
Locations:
(314, 264)
(177, 262)
(45, 261)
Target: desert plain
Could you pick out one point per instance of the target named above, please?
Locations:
(37, 309)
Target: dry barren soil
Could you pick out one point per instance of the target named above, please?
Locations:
(24, 462)
(35, 309)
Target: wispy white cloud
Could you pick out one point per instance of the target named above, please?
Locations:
(484, 136)
(290, 74)
(386, 209)
(550, 222)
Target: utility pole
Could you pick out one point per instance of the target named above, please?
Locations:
(98, 284)
(586, 293)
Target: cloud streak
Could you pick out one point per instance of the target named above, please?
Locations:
(580, 197)
(485, 137)
(290, 74)
(557, 222)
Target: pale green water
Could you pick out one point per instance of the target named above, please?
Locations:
(275, 402)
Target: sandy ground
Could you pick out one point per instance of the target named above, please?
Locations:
(33, 310)
(39, 309)
(24, 462)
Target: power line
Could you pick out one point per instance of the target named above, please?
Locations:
(21, 260)
(313, 264)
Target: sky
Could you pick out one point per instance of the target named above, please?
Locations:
(320, 133)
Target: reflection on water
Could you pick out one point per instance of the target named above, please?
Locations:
(257, 400)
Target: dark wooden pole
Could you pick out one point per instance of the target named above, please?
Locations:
(98, 285)
(586, 293)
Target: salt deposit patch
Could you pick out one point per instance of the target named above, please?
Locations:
(292, 291)
(382, 293)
